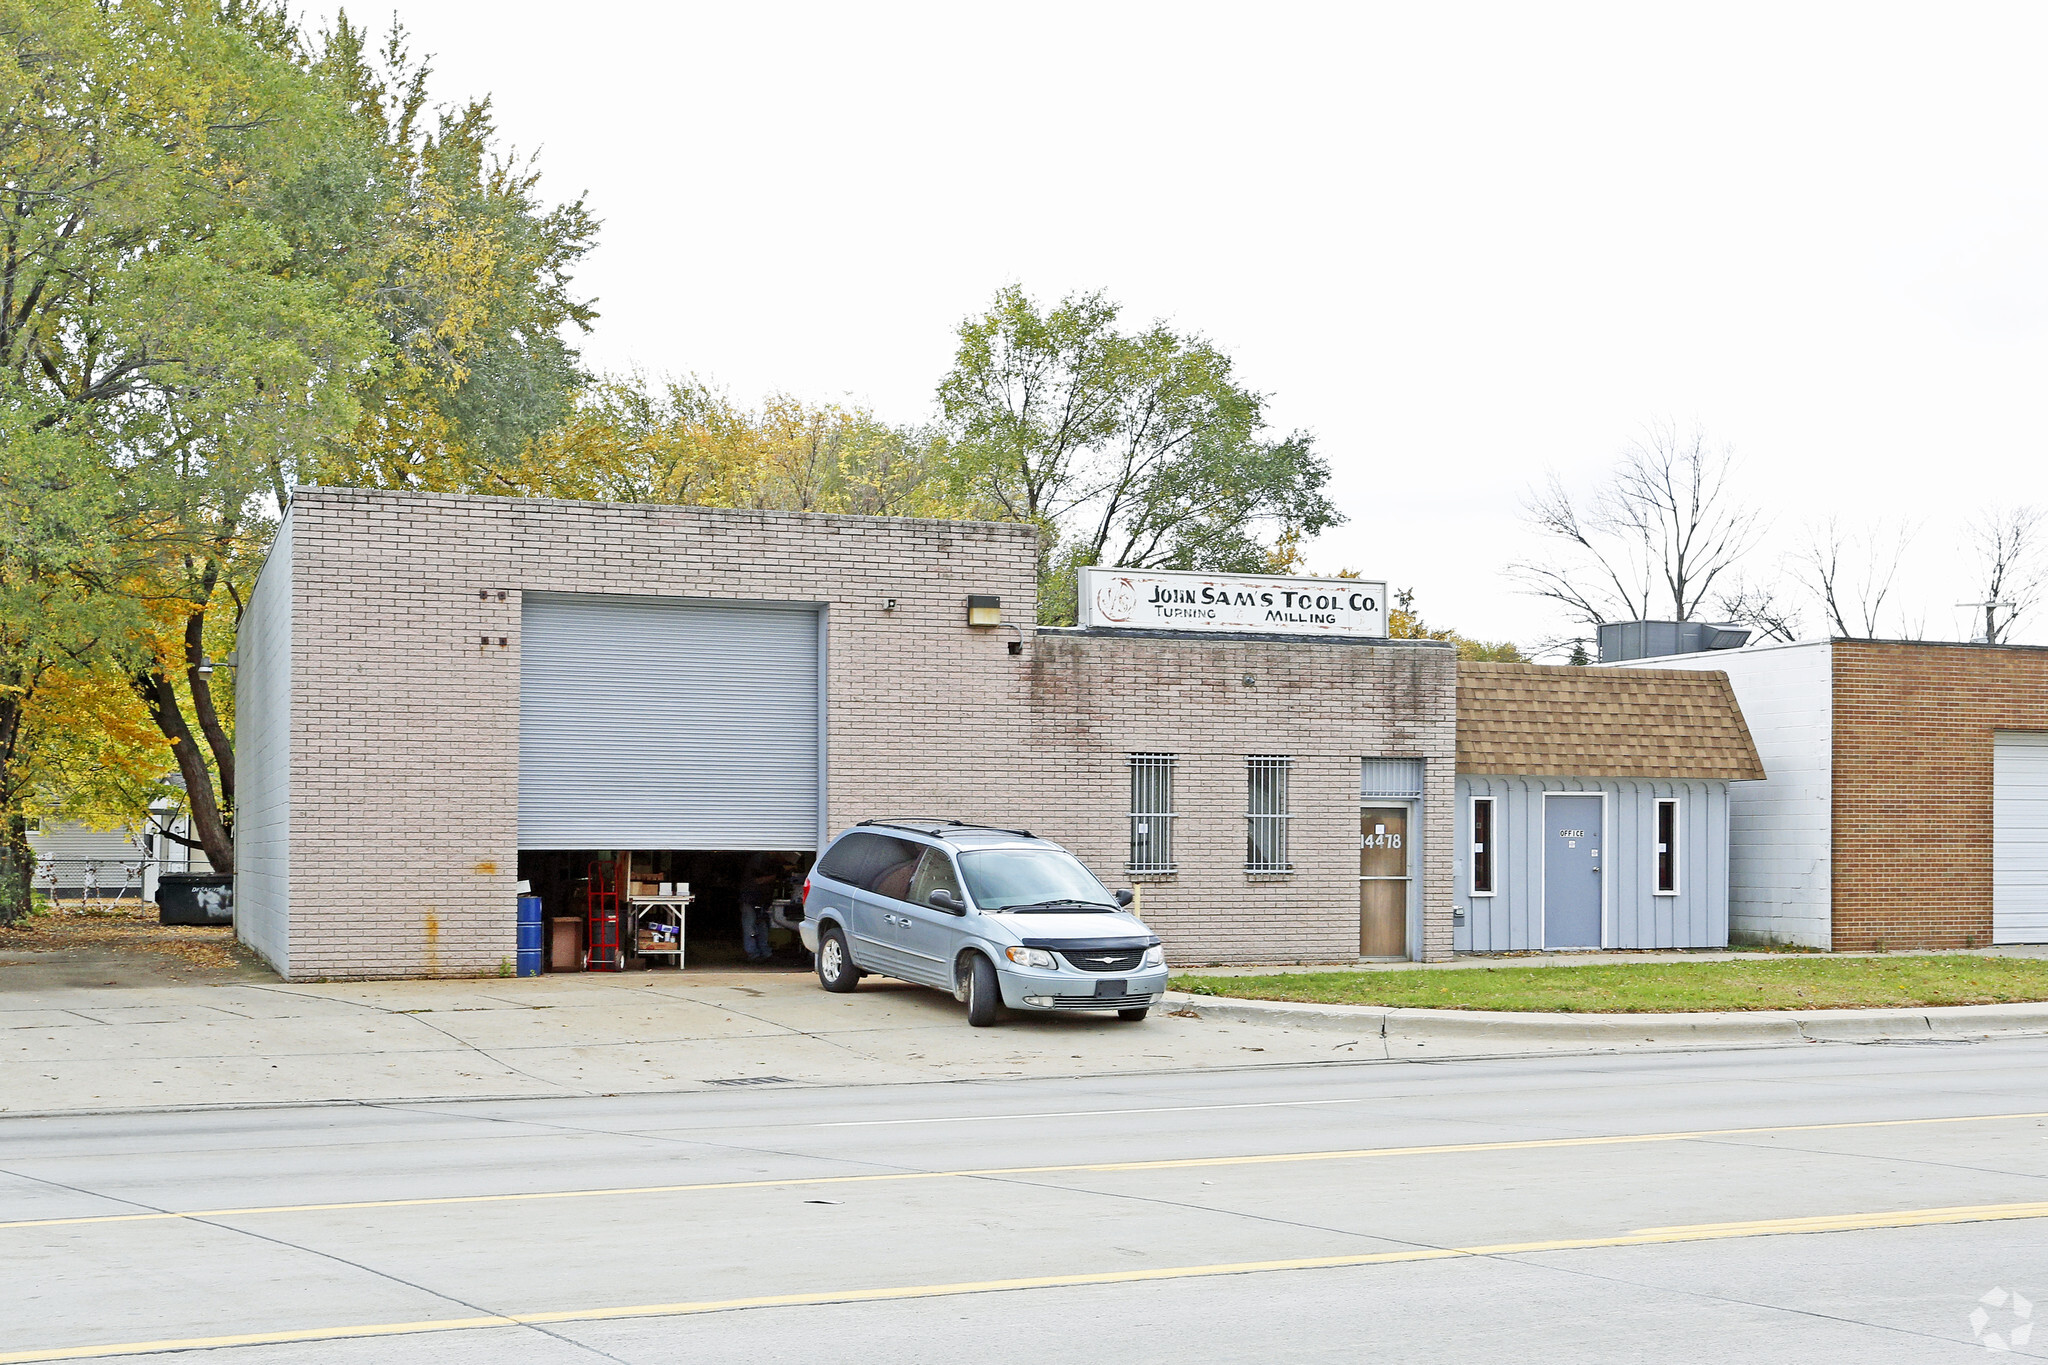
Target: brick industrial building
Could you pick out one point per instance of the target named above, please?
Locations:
(441, 695)
(1907, 800)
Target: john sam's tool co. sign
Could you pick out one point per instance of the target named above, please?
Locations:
(1157, 599)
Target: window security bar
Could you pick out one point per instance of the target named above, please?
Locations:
(1266, 813)
(1152, 814)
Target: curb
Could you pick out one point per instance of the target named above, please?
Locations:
(1405, 1031)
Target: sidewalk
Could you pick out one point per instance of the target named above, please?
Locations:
(78, 1034)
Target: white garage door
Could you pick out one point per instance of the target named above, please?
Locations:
(648, 723)
(2019, 840)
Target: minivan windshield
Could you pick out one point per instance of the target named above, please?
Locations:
(1032, 878)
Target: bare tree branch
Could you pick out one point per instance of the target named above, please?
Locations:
(1852, 575)
(2009, 544)
(1656, 538)
(1761, 607)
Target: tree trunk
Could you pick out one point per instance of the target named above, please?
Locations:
(208, 823)
(17, 860)
(202, 706)
(17, 868)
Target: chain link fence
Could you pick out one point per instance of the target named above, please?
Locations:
(90, 881)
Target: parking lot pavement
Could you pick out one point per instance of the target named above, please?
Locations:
(69, 1044)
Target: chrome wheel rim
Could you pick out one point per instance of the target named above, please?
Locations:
(830, 959)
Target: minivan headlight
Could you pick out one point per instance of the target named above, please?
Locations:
(1031, 957)
(1155, 956)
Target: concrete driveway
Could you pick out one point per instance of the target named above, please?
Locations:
(68, 1042)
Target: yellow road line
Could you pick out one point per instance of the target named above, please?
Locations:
(1702, 1232)
(1111, 1167)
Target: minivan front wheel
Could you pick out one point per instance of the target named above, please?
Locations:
(984, 995)
(836, 971)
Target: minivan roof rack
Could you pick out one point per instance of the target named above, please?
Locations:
(912, 823)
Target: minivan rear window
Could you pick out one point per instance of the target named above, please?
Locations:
(873, 862)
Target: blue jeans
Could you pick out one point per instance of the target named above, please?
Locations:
(754, 926)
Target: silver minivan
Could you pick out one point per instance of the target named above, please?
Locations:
(996, 916)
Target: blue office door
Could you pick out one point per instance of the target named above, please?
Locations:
(1571, 871)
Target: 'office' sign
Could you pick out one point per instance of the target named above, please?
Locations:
(1159, 599)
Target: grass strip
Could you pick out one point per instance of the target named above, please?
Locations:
(1660, 988)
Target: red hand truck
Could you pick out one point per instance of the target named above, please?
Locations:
(602, 950)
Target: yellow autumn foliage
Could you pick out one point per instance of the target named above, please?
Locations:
(93, 754)
(681, 441)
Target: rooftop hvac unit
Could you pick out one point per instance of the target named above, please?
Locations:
(1622, 640)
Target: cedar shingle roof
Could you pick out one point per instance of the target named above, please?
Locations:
(1557, 720)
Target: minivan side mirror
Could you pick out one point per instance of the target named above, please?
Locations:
(945, 900)
(1124, 898)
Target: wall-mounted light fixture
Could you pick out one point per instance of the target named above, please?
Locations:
(984, 611)
(888, 604)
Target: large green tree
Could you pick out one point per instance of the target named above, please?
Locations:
(234, 259)
(467, 271)
(60, 538)
(150, 315)
(1139, 449)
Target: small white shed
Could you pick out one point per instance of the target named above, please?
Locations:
(1592, 807)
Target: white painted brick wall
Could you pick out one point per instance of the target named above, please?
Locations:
(263, 759)
(1780, 884)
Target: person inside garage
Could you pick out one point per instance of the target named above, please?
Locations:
(761, 883)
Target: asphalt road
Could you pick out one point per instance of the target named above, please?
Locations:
(1831, 1202)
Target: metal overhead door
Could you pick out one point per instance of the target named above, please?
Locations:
(2019, 838)
(648, 723)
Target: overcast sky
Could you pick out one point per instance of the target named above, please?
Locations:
(1463, 244)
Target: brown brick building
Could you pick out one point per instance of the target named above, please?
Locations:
(439, 696)
(1907, 802)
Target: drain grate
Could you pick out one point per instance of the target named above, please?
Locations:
(753, 1080)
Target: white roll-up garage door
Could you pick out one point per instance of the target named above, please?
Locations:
(648, 723)
(2019, 838)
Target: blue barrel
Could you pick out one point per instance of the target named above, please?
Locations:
(532, 936)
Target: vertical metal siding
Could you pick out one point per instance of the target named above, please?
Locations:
(2019, 837)
(1511, 920)
(649, 723)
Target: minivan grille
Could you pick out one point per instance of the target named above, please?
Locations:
(1104, 959)
(1100, 1002)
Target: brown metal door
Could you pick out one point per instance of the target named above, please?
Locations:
(1383, 883)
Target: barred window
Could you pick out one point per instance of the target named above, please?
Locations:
(1265, 844)
(1151, 813)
